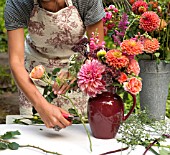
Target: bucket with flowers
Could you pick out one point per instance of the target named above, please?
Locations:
(147, 23)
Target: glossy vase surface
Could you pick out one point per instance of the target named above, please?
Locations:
(105, 113)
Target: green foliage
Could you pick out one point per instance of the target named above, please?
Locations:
(3, 146)
(7, 82)
(10, 134)
(3, 34)
(138, 129)
(6, 144)
(13, 146)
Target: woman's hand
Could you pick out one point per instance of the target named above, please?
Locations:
(65, 81)
(52, 116)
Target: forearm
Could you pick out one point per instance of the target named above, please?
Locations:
(23, 81)
(16, 60)
(96, 27)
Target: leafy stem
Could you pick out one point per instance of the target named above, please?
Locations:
(4, 143)
(129, 27)
(80, 116)
(36, 147)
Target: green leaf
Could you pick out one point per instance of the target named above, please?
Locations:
(49, 99)
(10, 134)
(3, 146)
(13, 146)
(55, 71)
(45, 90)
(52, 95)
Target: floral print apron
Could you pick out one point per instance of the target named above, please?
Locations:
(49, 42)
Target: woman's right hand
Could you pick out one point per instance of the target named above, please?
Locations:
(52, 116)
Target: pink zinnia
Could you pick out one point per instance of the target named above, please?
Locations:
(151, 45)
(133, 67)
(131, 47)
(149, 21)
(116, 59)
(37, 72)
(90, 78)
(133, 85)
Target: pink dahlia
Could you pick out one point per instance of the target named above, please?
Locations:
(131, 47)
(149, 21)
(37, 72)
(90, 78)
(139, 7)
(116, 59)
(151, 45)
(133, 85)
(133, 67)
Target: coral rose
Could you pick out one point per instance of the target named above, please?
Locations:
(37, 72)
(134, 85)
(133, 67)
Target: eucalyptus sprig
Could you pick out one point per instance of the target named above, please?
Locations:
(6, 144)
(141, 130)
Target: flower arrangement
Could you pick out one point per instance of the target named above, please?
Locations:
(104, 68)
(147, 22)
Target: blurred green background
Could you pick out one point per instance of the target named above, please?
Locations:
(7, 83)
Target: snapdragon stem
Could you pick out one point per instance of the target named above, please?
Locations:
(80, 116)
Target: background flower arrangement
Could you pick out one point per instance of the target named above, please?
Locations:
(145, 21)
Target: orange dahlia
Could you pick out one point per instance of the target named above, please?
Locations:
(116, 59)
(149, 21)
(139, 7)
(131, 47)
(151, 45)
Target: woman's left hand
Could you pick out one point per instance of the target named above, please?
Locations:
(65, 81)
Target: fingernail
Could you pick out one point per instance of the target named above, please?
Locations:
(59, 92)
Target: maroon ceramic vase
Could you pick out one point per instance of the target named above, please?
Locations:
(105, 113)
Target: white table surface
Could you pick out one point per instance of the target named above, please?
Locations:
(70, 141)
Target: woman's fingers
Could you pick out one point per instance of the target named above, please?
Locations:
(64, 83)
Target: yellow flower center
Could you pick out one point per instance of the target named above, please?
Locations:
(132, 43)
(117, 54)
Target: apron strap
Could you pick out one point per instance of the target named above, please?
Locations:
(69, 2)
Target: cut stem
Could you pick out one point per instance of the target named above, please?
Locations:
(80, 116)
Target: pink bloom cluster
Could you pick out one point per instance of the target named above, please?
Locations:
(149, 21)
(108, 20)
(90, 78)
(105, 67)
(94, 42)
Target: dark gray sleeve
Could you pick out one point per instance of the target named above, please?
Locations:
(17, 13)
(94, 12)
